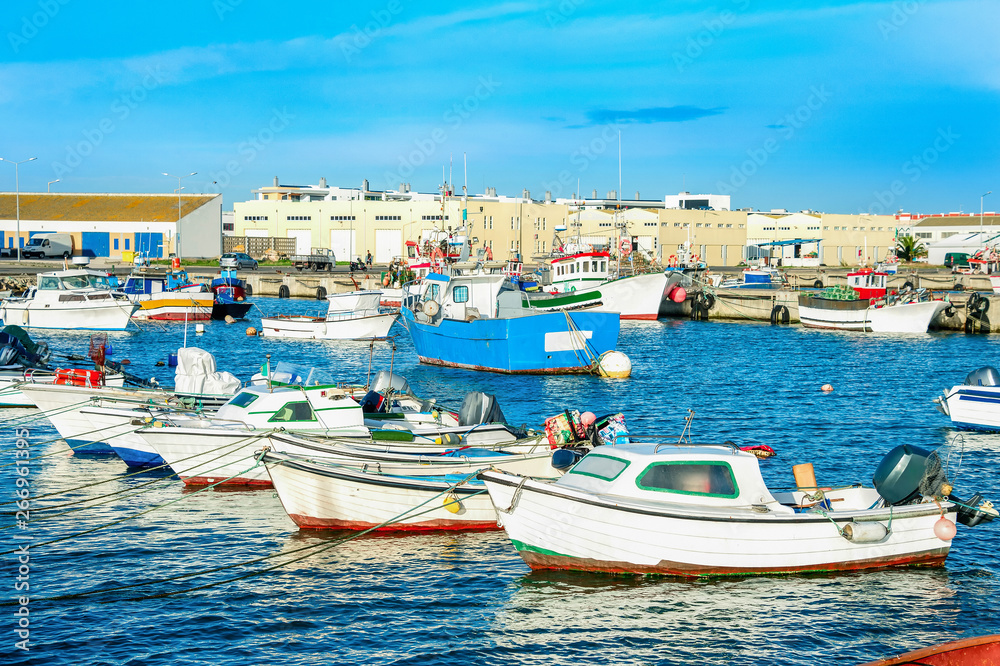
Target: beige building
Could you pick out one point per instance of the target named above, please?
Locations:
(354, 222)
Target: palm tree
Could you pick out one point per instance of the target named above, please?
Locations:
(909, 248)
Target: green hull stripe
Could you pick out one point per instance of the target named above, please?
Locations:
(520, 545)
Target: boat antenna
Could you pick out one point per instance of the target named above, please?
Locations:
(371, 352)
(685, 437)
(392, 359)
(267, 372)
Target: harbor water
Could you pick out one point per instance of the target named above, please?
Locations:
(467, 598)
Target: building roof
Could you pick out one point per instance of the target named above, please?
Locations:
(956, 221)
(100, 207)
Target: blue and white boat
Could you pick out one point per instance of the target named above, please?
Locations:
(974, 405)
(482, 322)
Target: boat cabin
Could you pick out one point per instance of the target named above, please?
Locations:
(137, 286)
(352, 304)
(577, 272)
(72, 280)
(868, 283)
(706, 475)
(296, 408)
(465, 297)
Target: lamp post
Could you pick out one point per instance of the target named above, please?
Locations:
(49, 188)
(17, 189)
(178, 232)
(981, 216)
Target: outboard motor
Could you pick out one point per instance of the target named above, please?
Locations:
(563, 459)
(480, 408)
(988, 376)
(897, 478)
(374, 403)
(389, 380)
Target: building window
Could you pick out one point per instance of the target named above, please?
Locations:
(342, 218)
(128, 241)
(298, 218)
(924, 235)
(116, 243)
(226, 226)
(255, 218)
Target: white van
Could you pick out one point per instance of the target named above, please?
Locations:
(49, 244)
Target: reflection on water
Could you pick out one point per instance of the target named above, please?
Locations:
(452, 598)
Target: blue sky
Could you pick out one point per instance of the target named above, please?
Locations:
(834, 106)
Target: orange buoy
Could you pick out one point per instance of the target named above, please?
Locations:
(826, 388)
(251, 331)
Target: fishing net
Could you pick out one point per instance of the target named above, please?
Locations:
(840, 292)
(935, 477)
(98, 348)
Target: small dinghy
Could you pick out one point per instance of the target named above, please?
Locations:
(979, 651)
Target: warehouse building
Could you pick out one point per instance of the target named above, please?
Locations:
(106, 225)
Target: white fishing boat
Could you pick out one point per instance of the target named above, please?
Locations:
(693, 510)
(583, 279)
(317, 494)
(73, 300)
(354, 315)
(79, 410)
(974, 404)
(156, 301)
(866, 305)
(206, 449)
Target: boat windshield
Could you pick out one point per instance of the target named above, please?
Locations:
(76, 282)
(49, 282)
(99, 281)
(293, 375)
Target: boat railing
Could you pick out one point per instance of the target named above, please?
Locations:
(643, 439)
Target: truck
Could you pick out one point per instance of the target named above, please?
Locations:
(320, 259)
(48, 244)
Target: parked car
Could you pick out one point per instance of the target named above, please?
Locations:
(237, 260)
(955, 260)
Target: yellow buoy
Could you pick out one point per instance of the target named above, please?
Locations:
(452, 503)
(251, 331)
(614, 364)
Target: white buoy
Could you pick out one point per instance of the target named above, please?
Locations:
(230, 319)
(614, 364)
(199, 328)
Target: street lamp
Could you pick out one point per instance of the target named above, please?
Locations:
(179, 207)
(49, 189)
(981, 216)
(17, 188)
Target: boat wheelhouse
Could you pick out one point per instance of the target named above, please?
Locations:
(75, 299)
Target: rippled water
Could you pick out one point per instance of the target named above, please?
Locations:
(468, 598)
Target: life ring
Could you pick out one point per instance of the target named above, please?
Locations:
(626, 247)
(818, 284)
(672, 261)
(430, 308)
(248, 289)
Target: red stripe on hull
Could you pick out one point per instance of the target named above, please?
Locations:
(537, 561)
(575, 370)
(312, 523)
(644, 317)
(209, 480)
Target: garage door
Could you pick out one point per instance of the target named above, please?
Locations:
(96, 244)
(303, 240)
(388, 244)
(149, 244)
(342, 243)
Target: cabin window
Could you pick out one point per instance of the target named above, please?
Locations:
(49, 283)
(76, 282)
(432, 292)
(572, 268)
(586, 267)
(599, 466)
(603, 266)
(706, 479)
(594, 267)
(294, 411)
(460, 294)
(243, 399)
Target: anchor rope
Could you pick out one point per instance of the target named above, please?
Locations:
(138, 513)
(316, 548)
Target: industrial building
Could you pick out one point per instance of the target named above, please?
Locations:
(354, 221)
(105, 225)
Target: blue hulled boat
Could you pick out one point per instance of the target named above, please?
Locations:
(482, 322)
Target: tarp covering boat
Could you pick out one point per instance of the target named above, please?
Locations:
(197, 374)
